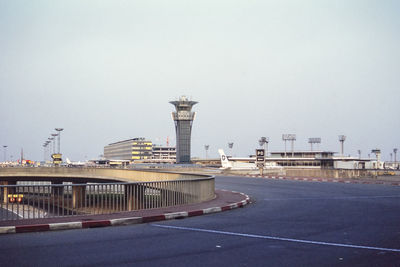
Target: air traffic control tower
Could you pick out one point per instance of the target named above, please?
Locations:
(183, 118)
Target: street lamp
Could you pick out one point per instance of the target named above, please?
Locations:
(44, 151)
(314, 140)
(51, 144)
(342, 138)
(54, 142)
(264, 142)
(359, 154)
(59, 137)
(5, 152)
(289, 137)
(48, 149)
(230, 145)
(206, 147)
(395, 152)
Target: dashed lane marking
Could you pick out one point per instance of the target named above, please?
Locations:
(331, 198)
(275, 238)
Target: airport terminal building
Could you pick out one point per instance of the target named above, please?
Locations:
(139, 150)
(131, 149)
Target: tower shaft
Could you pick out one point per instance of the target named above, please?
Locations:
(183, 118)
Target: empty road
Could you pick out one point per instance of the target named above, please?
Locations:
(288, 223)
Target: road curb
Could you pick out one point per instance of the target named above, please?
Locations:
(328, 180)
(121, 221)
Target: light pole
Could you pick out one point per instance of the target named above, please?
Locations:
(206, 147)
(230, 145)
(391, 157)
(377, 153)
(54, 143)
(289, 137)
(359, 154)
(314, 140)
(264, 142)
(395, 152)
(48, 150)
(342, 138)
(44, 151)
(5, 152)
(59, 137)
(51, 144)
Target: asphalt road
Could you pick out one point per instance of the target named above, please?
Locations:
(7, 215)
(289, 223)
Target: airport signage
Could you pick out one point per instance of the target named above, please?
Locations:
(260, 158)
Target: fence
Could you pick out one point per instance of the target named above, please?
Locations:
(26, 201)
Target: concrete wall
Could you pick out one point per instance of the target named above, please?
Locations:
(328, 173)
(95, 173)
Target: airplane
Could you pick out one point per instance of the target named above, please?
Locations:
(75, 163)
(230, 163)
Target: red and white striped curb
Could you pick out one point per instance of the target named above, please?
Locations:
(331, 180)
(121, 221)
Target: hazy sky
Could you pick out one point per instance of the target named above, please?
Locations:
(106, 70)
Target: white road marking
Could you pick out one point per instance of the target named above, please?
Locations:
(15, 212)
(275, 238)
(331, 198)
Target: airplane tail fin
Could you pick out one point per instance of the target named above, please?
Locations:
(68, 161)
(224, 159)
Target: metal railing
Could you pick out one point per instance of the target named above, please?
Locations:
(27, 201)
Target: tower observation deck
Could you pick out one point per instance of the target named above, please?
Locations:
(183, 118)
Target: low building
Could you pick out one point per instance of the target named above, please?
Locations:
(164, 154)
(322, 160)
(302, 159)
(131, 149)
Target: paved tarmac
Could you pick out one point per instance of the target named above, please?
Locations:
(288, 223)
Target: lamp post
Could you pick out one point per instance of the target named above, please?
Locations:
(314, 140)
(342, 138)
(359, 154)
(59, 137)
(54, 142)
(5, 152)
(48, 142)
(395, 153)
(44, 151)
(230, 145)
(206, 147)
(289, 137)
(51, 144)
(264, 142)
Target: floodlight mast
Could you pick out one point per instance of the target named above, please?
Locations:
(395, 153)
(206, 147)
(264, 142)
(342, 138)
(230, 145)
(289, 137)
(51, 144)
(54, 142)
(314, 140)
(377, 153)
(47, 142)
(5, 152)
(44, 152)
(59, 137)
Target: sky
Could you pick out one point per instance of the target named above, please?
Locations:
(105, 71)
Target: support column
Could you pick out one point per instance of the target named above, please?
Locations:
(7, 190)
(78, 196)
(58, 190)
(134, 195)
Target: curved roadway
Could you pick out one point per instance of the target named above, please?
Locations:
(289, 223)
